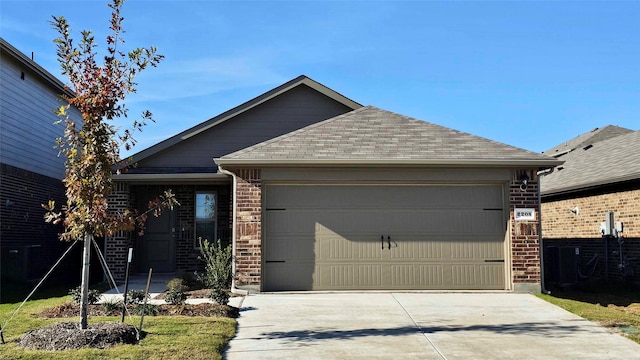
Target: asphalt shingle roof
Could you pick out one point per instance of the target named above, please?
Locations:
(370, 133)
(593, 136)
(602, 162)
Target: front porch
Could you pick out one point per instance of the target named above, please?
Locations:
(169, 242)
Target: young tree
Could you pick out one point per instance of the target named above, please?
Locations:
(94, 147)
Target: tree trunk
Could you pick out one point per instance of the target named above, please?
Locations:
(84, 286)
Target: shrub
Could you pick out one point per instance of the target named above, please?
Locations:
(217, 276)
(177, 284)
(175, 297)
(192, 281)
(146, 309)
(92, 297)
(112, 305)
(135, 296)
(220, 296)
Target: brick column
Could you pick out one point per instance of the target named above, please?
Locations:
(525, 245)
(248, 228)
(117, 246)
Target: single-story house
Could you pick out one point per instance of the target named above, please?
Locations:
(30, 170)
(600, 174)
(317, 192)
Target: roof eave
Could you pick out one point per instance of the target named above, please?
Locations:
(390, 162)
(163, 178)
(33, 66)
(589, 185)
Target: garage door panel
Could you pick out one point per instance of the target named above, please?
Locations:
(369, 276)
(432, 250)
(481, 277)
(402, 250)
(375, 196)
(477, 248)
(441, 237)
(348, 276)
(382, 222)
(430, 276)
(285, 248)
(402, 276)
(341, 249)
(289, 275)
(342, 276)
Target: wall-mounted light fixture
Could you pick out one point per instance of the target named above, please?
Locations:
(524, 181)
(575, 210)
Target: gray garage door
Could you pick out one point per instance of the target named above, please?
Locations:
(332, 237)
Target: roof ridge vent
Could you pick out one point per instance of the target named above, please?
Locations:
(587, 147)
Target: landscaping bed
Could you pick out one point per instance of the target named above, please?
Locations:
(70, 309)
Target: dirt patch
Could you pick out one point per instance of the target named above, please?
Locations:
(69, 309)
(66, 336)
(633, 308)
(626, 300)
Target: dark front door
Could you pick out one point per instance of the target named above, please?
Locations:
(157, 247)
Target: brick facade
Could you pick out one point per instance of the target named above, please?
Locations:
(29, 245)
(248, 227)
(560, 223)
(563, 228)
(525, 245)
(116, 247)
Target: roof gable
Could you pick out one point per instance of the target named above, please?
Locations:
(243, 108)
(591, 137)
(604, 162)
(370, 135)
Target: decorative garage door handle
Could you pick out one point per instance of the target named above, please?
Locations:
(388, 242)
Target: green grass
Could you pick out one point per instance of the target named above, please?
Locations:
(618, 317)
(168, 337)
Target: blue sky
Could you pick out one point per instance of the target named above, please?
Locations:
(530, 74)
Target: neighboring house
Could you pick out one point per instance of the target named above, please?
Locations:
(31, 171)
(601, 172)
(316, 192)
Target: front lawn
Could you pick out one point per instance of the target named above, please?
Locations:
(617, 310)
(167, 337)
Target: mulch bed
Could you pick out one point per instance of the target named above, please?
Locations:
(69, 309)
(67, 336)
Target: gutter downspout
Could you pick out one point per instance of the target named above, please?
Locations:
(540, 174)
(234, 289)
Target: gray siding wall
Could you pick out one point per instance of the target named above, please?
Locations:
(290, 111)
(27, 130)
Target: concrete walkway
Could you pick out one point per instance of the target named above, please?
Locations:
(418, 326)
(157, 286)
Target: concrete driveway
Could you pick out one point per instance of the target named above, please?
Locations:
(418, 326)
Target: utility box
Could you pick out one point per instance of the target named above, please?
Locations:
(22, 263)
(561, 264)
(608, 227)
